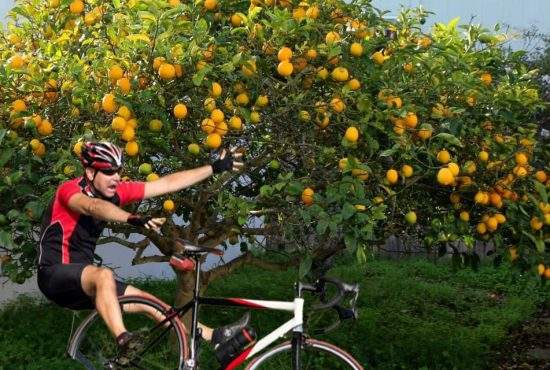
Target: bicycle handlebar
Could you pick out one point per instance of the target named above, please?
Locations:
(345, 292)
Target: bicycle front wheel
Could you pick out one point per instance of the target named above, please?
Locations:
(314, 354)
(160, 348)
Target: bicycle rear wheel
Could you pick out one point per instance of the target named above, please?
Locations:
(163, 348)
(315, 354)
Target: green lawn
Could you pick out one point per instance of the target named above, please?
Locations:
(413, 314)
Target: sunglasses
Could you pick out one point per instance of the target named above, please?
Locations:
(110, 171)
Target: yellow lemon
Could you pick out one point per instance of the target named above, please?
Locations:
(168, 205)
(352, 134)
(132, 148)
(445, 176)
(407, 170)
(180, 111)
(443, 156)
(392, 176)
(193, 148)
(213, 141)
(356, 49)
(285, 68)
(155, 125)
(307, 196)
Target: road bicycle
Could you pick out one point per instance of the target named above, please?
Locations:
(166, 344)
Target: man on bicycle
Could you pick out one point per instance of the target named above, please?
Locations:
(75, 219)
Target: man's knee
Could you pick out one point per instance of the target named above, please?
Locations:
(97, 278)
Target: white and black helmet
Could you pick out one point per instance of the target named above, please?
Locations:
(101, 156)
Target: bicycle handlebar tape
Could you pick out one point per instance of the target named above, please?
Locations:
(228, 351)
(137, 220)
(182, 264)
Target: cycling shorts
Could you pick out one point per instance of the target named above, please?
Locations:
(61, 284)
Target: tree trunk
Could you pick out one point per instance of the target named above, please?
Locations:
(184, 294)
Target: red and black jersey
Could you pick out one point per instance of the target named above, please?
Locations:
(70, 237)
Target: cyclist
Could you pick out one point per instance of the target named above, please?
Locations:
(76, 218)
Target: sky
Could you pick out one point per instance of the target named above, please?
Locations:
(5, 5)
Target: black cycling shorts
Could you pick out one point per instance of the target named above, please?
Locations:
(61, 284)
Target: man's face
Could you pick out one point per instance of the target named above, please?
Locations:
(105, 182)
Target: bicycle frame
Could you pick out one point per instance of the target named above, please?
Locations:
(295, 324)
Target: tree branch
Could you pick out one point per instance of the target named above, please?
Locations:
(142, 260)
(132, 245)
(246, 258)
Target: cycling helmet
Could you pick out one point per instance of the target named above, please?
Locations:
(101, 155)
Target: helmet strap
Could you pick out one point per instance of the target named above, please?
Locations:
(95, 190)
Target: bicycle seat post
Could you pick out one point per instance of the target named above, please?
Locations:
(195, 313)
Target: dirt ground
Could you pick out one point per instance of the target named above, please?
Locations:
(528, 346)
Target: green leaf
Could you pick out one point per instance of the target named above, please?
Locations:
(266, 191)
(242, 220)
(6, 240)
(361, 255)
(305, 266)
(147, 16)
(294, 188)
(451, 139)
(2, 134)
(389, 152)
(227, 67)
(364, 104)
(279, 186)
(199, 76)
(539, 243)
(452, 24)
(236, 58)
(530, 236)
(139, 37)
(350, 241)
(36, 209)
(322, 226)
(333, 226)
(334, 51)
(306, 216)
(6, 155)
(541, 189)
(348, 211)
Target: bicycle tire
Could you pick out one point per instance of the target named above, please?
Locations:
(94, 347)
(315, 354)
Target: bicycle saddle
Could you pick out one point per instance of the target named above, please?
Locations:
(189, 248)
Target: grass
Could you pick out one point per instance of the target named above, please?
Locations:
(413, 314)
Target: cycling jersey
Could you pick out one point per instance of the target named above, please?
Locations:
(70, 237)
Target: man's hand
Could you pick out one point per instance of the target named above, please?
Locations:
(228, 161)
(146, 221)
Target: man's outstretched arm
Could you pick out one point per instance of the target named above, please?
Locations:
(106, 211)
(176, 181)
(228, 161)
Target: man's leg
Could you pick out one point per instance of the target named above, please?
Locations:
(99, 283)
(156, 315)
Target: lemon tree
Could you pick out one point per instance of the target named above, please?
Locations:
(354, 128)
